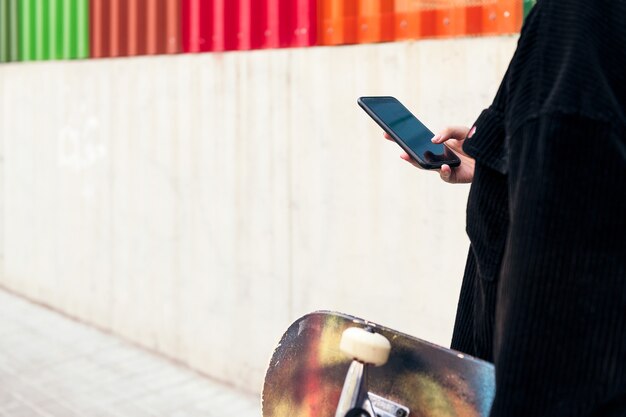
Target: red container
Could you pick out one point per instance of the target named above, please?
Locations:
(266, 25)
(305, 23)
(197, 25)
(291, 23)
(134, 27)
(252, 25)
(210, 25)
(225, 25)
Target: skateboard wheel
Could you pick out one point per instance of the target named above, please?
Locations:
(365, 347)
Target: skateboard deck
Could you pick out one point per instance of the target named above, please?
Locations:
(307, 372)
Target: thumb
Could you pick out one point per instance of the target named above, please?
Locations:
(445, 172)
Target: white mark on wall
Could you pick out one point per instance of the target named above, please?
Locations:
(80, 149)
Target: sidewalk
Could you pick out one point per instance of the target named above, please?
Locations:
(52, 366)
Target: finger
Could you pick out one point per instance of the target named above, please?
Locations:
(454, 132)
(406, 157)
(455, 145)
(387, 136)
(445, 172)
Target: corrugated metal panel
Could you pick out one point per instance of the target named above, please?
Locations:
(407, 20)
(502, 17)
(428, 22)
(437, 18)
(510, 16)
(450, 20)
(252, 24)
(53, 29)
(375, 21)
(27, 32)
(278, 26)
(291, 23)
(490, 19)
(225, 25)
(304, 23)
(197, 25)
(171, 42)
(474, 19)
(8, 31)
(134, 27)
(338, 21)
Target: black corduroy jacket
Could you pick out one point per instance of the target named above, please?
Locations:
(544, 290)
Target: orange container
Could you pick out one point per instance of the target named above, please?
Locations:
(134, 27)
(375, 21)
(473, 20)
(337, 21)
(407, 19)
(510, 16)
(490, 18)
(428, 23)
(450, 21)
(503, 17)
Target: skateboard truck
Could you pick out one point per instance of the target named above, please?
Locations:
(366, 349)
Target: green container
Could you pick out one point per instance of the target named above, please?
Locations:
(528, 5)
(8, 31)
(53, 29)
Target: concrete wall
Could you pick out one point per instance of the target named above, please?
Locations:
(198, 204)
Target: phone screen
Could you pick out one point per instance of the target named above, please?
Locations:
(402, 125)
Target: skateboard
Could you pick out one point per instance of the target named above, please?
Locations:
(330, 364)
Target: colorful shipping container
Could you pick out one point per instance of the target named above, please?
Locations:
(251, 25)
(197, 25)
(375, 21)
(134, 27)
(406, 20)
(502, 17)
(53, 29)
(62, 29)
(304, 23)
(225, 25)
(337, 22)
(8, 31)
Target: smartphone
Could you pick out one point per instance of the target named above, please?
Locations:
(408, 132)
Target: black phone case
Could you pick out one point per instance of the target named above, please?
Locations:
(426, 165)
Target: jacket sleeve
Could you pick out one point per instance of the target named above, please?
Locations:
(560, 337)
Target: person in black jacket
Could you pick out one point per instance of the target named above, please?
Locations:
(544, 289)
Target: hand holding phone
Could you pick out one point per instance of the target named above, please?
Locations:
(411, 134)
(453, 137)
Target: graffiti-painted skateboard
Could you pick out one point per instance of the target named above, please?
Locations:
(334, 365)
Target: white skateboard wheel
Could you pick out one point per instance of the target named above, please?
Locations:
(365, 347)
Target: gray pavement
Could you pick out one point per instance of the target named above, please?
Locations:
(52, 366)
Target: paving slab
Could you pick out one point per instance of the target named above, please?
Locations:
(53, 366)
